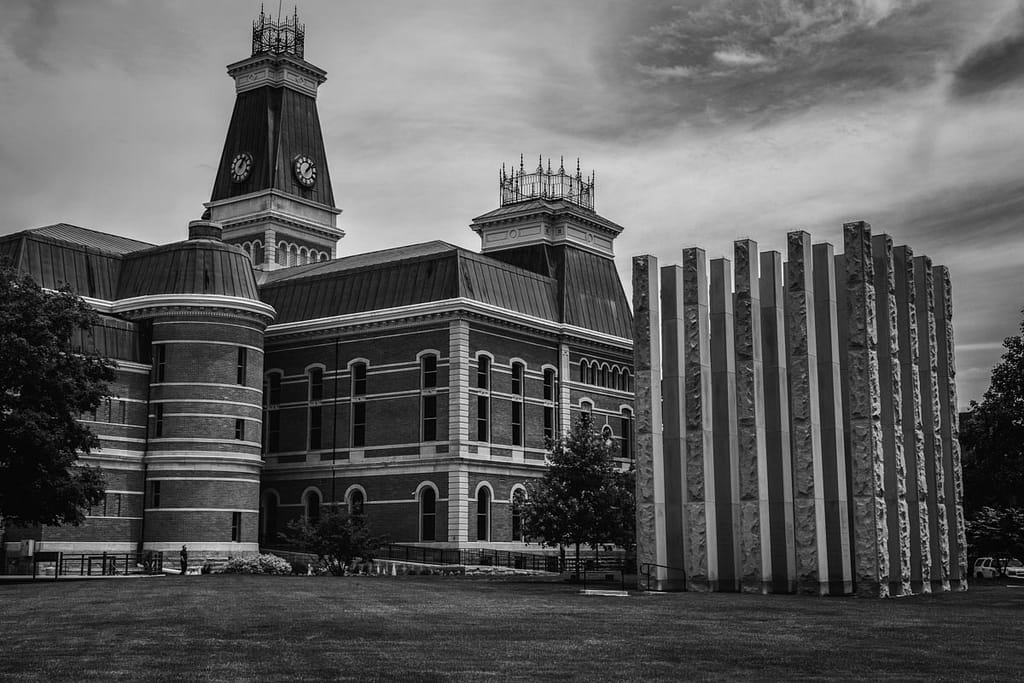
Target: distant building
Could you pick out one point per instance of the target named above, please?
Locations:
(262, 377)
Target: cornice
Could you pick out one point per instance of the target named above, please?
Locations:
(233, 304)
(458, 305)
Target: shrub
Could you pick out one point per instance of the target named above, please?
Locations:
(263, 564)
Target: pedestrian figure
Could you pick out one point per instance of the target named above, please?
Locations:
(184, 560)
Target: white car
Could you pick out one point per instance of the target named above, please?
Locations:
(988, 568)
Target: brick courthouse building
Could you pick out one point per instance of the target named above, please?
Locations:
(262, 376)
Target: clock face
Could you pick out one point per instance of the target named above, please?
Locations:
(241, 165)
(305, 170)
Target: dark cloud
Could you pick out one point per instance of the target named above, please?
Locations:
(994, 65)
(28, 33)
(709, 62)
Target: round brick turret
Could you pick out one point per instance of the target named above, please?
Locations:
(198, 298)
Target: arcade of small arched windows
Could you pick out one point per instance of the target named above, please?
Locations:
(288, 253)
(605, 375)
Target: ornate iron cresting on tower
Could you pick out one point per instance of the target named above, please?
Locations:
(520, 186)
(282, 37)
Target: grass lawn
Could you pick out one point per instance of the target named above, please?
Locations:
(231, 627)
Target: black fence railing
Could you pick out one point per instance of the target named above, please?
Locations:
(111, 564)
(473, 556)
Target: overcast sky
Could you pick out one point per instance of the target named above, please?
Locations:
(705, 121)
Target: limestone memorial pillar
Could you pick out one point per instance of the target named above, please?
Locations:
(833, 448)
(870, 530)
(700, 546)
(890, 382)
(913, 431)
(650, 477)
(931, 420)
(672, 393)
(958, 570)
(723, 417)
(778, 453)
(808, 503)
(755, 537)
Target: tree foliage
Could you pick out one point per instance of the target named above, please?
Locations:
(46, 382)
(337, 538)
(992, 436)
(582, 499)
(998, 532)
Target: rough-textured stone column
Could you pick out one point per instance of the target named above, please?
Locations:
(833, 449)
(890, 382)
(672, 417)
(931, 421)
(808, 503)
(699, 549)
(913, 432)
(723, 416)
(755, 537)
(871, 557)
(650, 475)
(950, 427)
(778, 453)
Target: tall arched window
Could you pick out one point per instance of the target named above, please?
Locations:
(627, 434)
(428, 514)
(355, 503)
(316, 395)
(313, 507)
(483, 513)
(272, 416)
(517, 514)
(584, 367)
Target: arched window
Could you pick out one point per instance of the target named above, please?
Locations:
(282, 254)
(428, 514)
(606, 433)
(316, 395)
(358, 379)
(483, 513)
(323, 255)
(616, 378)
(355, 503)
(626, 430)
(517, 514)
(584, 367)
(549, 384)
(257, 252)
(483, 372)
(627, 384)
(518, 371)
(312, 507)
(428, 371)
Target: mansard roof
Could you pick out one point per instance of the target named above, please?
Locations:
(109, 267)
(89, 262)
(405, 276)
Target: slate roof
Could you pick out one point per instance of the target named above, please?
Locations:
(109, 267)
(88, 261)
(274, 125)
(414, 274)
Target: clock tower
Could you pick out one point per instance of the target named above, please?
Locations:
(272, 191)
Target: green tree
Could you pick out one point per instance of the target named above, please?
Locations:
(998, 532)
(337, 538)
(992, 436)
(47, 380)
(582, 499)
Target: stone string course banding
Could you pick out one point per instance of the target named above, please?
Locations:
(809, 435)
